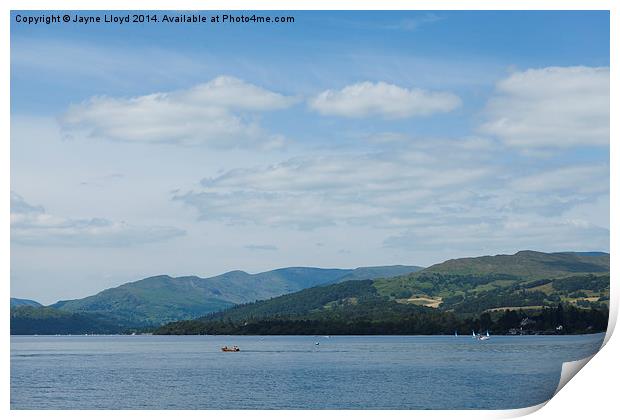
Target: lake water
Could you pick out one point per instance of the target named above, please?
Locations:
(342, 372)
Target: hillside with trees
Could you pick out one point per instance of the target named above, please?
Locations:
(498, 292)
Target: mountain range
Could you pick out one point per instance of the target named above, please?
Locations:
(160, 299)
(441, 296)
(401, 299)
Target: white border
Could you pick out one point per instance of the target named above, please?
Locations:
(591, 394)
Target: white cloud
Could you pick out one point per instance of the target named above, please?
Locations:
(553, 107)
(32, 225)
(377, 189)
(219, 113)
(261, 247)
(581, 179)
(433, 195)
(382, 99)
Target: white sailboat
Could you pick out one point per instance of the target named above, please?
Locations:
(480, 336)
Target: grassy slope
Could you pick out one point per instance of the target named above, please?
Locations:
(149, 301)
(470, 276)
(526, 264)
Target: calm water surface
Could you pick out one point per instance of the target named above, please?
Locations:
(350, 372)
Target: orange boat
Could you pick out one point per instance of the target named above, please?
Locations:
(233, 348)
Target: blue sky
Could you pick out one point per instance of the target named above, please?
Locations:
(342, 140)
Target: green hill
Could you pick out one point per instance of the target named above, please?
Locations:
(308, 302)
(442, 296)
(498, 279)
(369, 273)
(526, 264)
(15, 302)
(160, 299)
(27, 319)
